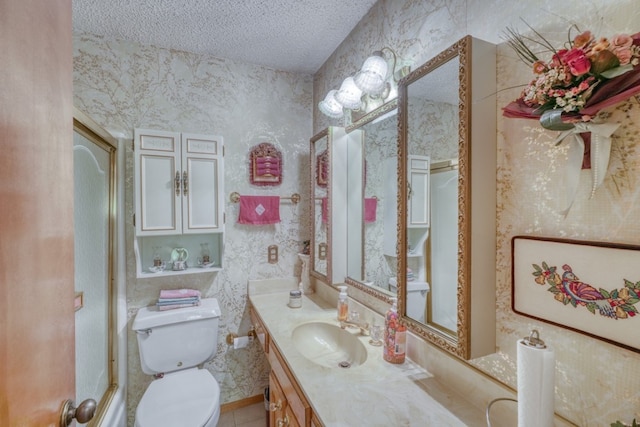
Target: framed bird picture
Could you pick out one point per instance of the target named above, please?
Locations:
(588, 287)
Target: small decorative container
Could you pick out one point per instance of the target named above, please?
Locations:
(295, 299)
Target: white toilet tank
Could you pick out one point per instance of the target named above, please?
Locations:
(416, 297)
(178, 339)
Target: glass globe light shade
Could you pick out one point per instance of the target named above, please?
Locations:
(370, 103)
(372, 75)
(349, 95)
(329, 106)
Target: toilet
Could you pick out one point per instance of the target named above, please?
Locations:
(172, 344)
(416, 297)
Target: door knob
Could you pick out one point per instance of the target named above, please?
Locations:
(83, 413)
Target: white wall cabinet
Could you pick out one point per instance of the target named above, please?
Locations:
(418, 177)
(178, 181)
(418, 204)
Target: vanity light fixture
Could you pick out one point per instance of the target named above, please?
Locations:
(329, 106)
(372, 86)
(349, 94)
(372, 76)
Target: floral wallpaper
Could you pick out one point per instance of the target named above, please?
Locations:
(596, 382)
(122, 86)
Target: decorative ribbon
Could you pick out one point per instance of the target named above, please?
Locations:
(600, 151)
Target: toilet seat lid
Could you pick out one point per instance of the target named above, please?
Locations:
(183, 398)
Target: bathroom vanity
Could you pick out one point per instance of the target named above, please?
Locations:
(305, 392)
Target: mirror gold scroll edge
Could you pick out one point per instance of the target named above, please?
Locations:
(321, 278)
(369, 117)
(461, 343)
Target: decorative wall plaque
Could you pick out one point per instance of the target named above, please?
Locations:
(265, 165)
(588, 287)
(322, 169)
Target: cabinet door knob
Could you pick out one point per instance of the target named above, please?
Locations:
(185, 183)
(284, 422)
(273, 407)
(177, 183)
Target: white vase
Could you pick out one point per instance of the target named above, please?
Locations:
(305, 282)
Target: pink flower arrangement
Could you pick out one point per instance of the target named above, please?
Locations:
(586, 75)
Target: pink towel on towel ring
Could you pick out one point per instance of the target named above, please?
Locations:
(370, 206)
(259, 210)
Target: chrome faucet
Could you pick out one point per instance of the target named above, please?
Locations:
(354, 322)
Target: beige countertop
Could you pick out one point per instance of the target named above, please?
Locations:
(375, 393)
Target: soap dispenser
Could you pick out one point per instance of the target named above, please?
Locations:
(395, 336)
(343, 304)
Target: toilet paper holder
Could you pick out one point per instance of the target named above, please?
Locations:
(251, 334)
(533, 340)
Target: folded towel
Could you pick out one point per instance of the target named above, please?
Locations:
(370, 206)
(268, 161)
(174, 306)
(259, 210)
(168, 301)
(268, 169)
(410, 275)
(179, 293)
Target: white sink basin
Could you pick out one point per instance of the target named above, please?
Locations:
(328, 345)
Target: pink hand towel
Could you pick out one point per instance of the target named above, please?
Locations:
(370, 206)
(179, 293)
(259, 210)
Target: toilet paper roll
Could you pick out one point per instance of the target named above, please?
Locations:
(240, 342)
(536, 385)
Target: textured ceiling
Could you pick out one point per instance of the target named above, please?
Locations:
(290, 35)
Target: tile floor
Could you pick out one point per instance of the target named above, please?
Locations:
(249, 416)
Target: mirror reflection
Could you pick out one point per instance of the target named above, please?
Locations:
(446, 280)
(432, 197)
(373, 221)
(320, 172)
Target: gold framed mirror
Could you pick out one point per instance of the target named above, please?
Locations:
(446, 199)
(320, 191)
(329, 180)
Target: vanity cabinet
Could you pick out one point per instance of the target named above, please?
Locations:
(277, 404)
(259, 328)
(178, 187)
(287, 403)
(315, 422)
(296, 411)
